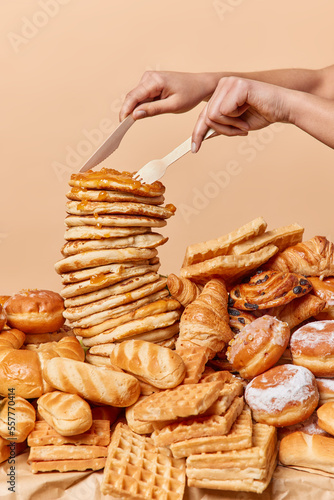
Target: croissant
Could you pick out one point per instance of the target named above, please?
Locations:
(310, 258)
(298, 310)
(182, 289)
(205, 322)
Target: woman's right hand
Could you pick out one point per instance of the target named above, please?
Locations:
(168, 92)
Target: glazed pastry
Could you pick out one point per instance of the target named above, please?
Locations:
(298, 310)
(205, 322)
(268, 289)
(314, 257)
(239, 319)
(324, 290)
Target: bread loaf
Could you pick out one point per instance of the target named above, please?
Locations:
(156, 365)
(95, 383)
(68, 414)
(20, 370)
(326, 417)
(304, 450)
(17, 418)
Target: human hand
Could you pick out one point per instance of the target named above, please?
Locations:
(169, 92)
(239, 105)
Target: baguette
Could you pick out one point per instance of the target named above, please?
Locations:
(304, 450)
(17, 419)
(68, 414)
(95, 383)
(151, 363)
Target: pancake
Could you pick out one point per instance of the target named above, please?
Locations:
(110, 179)
(76, 313)
(151, 309)
(110, 314)
(97, 233)
(105, 280)
(150, 240)
(78, 194)
(95, 207)
(105, 221)
(118, 289)
(97, 258)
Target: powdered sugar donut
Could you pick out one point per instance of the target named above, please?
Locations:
(312, 346)
(284, 395)
(258, 346)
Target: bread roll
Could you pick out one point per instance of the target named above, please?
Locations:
(17, 418)
(35, 311)
(3, 317)
(326, 390)
(151, 363)
(95, 383)
(70, 347)
(20, 370)
(303, 450)
(11, 339)
(68, 414)
(326, 417)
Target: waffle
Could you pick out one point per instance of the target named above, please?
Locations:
(135, 425)
(228, 266)
(183, 401)
(215, 425)
(136, 469)
(43, 434)
(66, 452)
(258, 456)
(222, 246)
(68, 465)
(195, 359)
(230, 391)
(253, 467)
(239, 437)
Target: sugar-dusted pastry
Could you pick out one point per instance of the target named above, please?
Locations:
(312, 346)
(182, 289)
(268, 289)
(314, 257)
(283, 395)
(205, 322)
(258, 346)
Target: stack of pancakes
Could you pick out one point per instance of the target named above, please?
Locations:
(112, 290)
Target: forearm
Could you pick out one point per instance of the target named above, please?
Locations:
(317, 82)
(314, 115)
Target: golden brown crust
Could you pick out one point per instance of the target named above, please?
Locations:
(325, 417)
(268, 289)
(205, 322)
(182, 289)
(239, 319)
(17, 418)
(258, 346)
(11, 339)
(284, 395)
(35, 311)
(298, 310)
(314, 257)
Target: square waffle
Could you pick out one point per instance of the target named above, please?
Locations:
(228, 393)
(239, 437)
(183, 401)
(195, 359)
(253, 467)
(137, 470)
(214, 425)
(43, 434)
(68, 465)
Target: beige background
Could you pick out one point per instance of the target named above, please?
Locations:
(66, 65)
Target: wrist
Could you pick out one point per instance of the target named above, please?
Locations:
(209, 82)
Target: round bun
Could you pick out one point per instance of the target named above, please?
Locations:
(258, 346)
(312, 346)
(284, 395)
(35, 311)
(2, 318)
